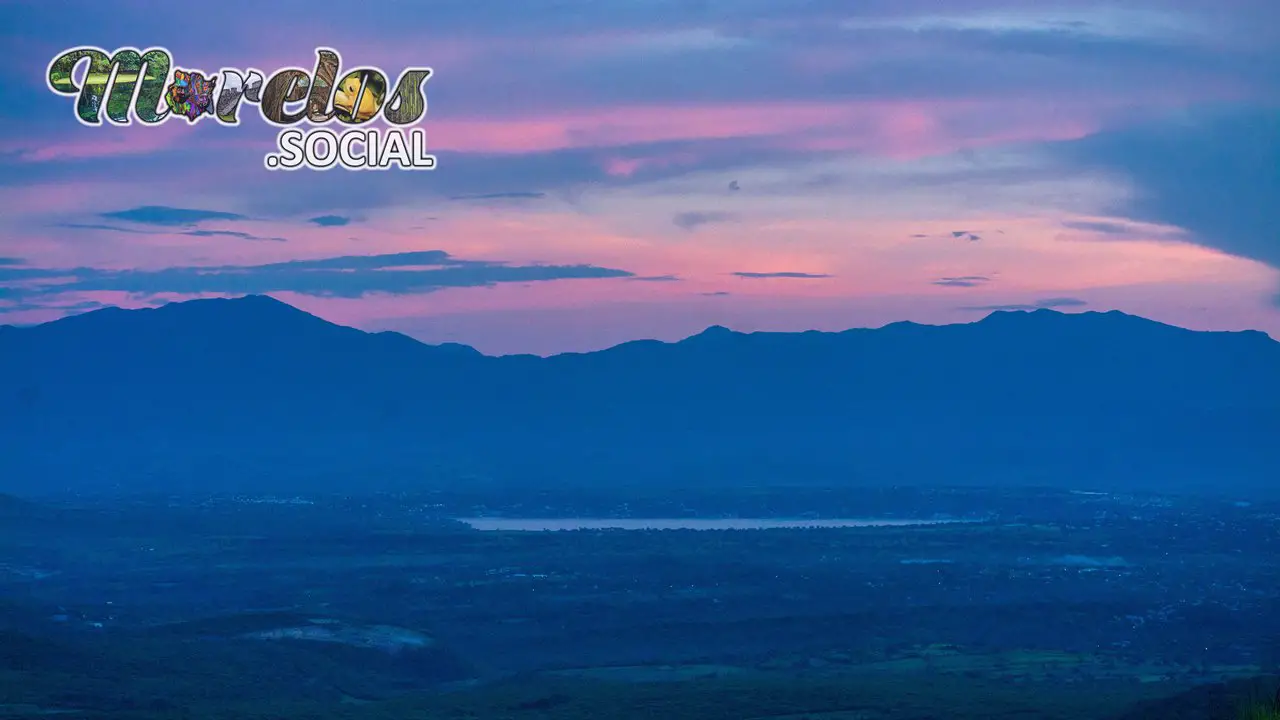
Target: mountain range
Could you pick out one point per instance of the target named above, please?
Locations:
(251, 394)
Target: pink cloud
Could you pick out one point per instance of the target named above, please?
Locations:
(78, 142)
(901, 128)
(896, 128)
(622, 167)
(627, 167)
(878, 259)
(642, 124)
(59, 197)
(891, 127)
(103, 143)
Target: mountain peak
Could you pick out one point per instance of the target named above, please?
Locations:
(245, 322)
(247, 310)
(713, 334)
(1020, 314)
(1047, 317)
(243, 304)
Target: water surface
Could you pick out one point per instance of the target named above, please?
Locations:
(501, 523)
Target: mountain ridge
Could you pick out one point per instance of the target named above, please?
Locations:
(258, 304)
(212, 395)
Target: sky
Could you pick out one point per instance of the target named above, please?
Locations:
(610, 170)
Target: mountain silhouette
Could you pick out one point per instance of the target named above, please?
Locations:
(253, 394)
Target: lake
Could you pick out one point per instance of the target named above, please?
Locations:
(537, 524)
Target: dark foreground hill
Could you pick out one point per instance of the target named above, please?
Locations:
(1218, 701)
(251, 393)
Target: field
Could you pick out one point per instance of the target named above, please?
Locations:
(1045, 605)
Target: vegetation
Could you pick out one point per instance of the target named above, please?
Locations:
(377, 607)
(1262, 709)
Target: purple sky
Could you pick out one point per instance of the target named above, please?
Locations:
(892, 159)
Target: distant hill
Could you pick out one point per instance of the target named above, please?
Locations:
(11, 507)
(252, 393)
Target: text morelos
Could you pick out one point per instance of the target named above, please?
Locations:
(131, 84)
